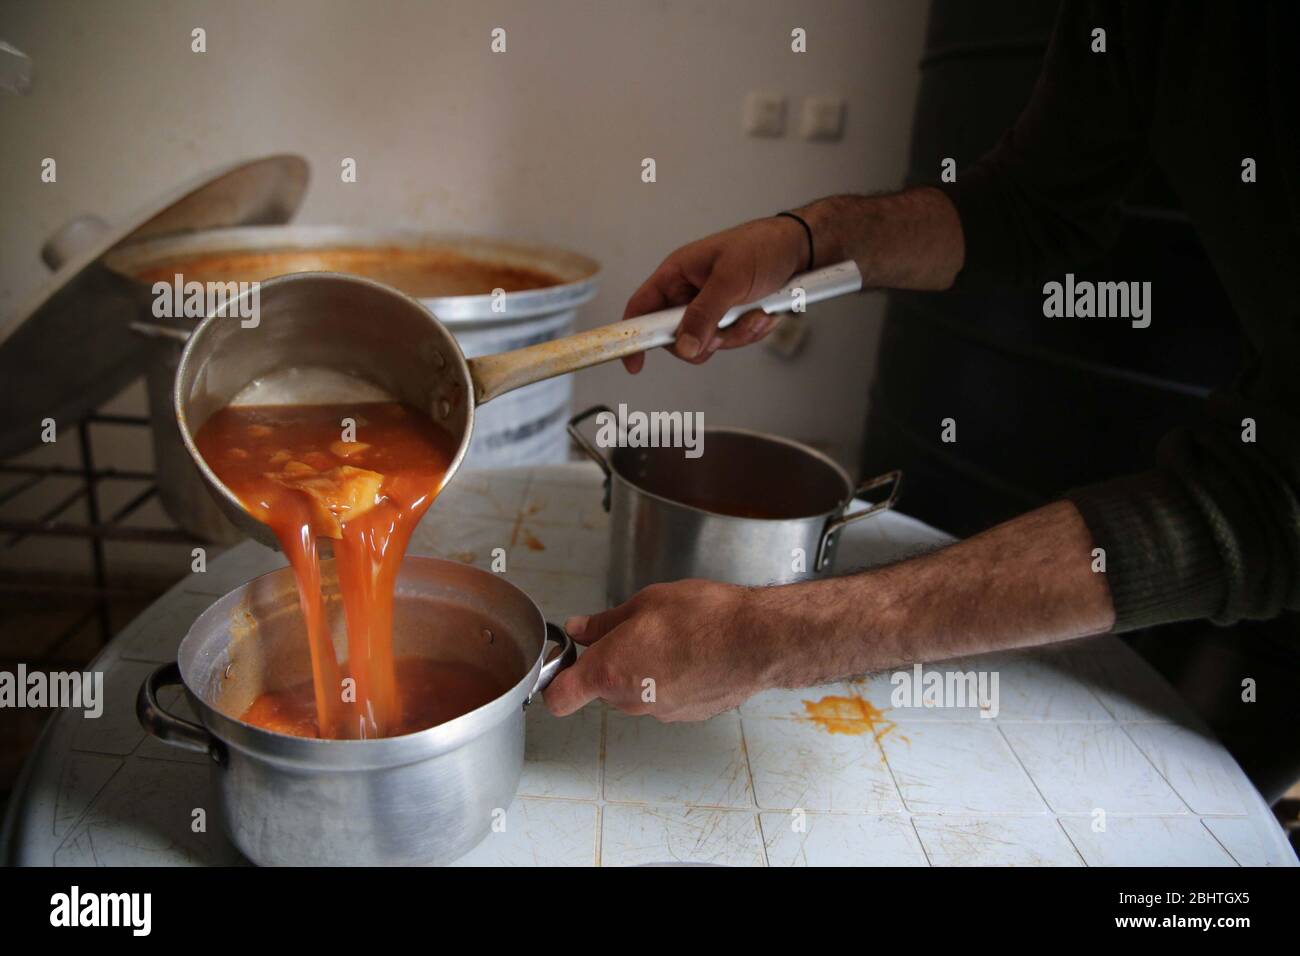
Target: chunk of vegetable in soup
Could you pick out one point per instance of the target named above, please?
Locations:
(363, 475)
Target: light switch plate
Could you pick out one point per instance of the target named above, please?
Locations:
(822, 118)
(765, 114)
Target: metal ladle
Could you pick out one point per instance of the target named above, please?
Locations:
(379, 337)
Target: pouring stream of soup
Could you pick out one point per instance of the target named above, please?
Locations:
(290, 466)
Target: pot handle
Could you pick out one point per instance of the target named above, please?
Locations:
(585, 444)
(167, 727)
(495, 375)
(835, 525)
(568, 654)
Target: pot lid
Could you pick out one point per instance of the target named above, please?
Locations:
(68, 349)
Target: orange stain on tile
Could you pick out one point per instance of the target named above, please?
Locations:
(848, 715)
(530, 540)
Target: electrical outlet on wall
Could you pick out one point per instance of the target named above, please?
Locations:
(765, 114)
(822, 118)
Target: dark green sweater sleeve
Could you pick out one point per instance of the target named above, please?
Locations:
(1213, 530)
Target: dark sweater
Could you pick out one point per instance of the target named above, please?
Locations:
(1213, 530)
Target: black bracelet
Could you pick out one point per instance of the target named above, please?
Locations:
(807, 231)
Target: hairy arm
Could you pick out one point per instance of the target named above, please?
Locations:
(709, 646)
(906, 240)
(1027, 581)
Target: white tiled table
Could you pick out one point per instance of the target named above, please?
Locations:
(1086, 735)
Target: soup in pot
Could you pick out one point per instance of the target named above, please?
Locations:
(425, 274)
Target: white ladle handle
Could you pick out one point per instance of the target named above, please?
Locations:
(495, 375)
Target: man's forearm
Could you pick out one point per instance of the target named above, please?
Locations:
(907, 240)
(1027, 581)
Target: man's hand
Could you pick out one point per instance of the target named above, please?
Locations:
(711, 275)
(908, 240)
(707, 646)
(680, 651)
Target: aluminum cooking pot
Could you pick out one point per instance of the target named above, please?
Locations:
(421, 798)
(753, 509)
(323, 337)
(526, 429)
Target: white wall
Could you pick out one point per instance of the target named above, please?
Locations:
(542, 143)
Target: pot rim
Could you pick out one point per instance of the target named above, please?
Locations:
(189, 368)
(132, 257)
(766, 436)
(376, 753)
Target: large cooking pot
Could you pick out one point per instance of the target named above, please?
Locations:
(753, 509)
(450, 275)
(421, 798)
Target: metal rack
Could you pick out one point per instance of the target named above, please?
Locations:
(98, 529)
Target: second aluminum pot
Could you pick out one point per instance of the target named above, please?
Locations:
(753, 509)
(421, 798)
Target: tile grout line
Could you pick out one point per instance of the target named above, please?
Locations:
(911, 822)
(893, 778)
(1200, 817)
(1215, 837)
(1152, 764)
(753, 788)
(1070, 840)
(1025, 770)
